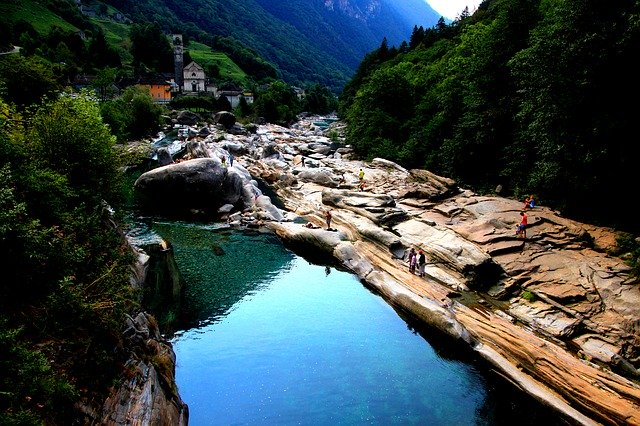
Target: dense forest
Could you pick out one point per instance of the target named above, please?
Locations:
(532, 96)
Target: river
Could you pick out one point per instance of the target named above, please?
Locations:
(268, 338)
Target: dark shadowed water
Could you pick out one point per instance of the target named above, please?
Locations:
(271, 339)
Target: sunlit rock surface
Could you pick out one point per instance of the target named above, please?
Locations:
(553, 313)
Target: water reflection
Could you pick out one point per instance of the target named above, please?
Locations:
(220, 266)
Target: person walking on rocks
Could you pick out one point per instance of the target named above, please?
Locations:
(413, 256)
(521, 230)
(422, 262)
(327, 216)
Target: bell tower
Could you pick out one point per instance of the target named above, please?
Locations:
(178, 59)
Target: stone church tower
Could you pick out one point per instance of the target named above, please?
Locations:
(178, 59)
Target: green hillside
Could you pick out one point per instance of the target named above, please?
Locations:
(41, 18)
(45, 16)
(205, 56)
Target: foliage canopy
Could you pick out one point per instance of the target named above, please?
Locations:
(65, 288)
(526, 94)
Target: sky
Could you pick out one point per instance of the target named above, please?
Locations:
(451, 8)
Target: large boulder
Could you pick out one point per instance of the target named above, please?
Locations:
(201, 184)
(224, 118)
(188, 118)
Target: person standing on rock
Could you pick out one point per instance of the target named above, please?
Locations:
(522, 228)
(230, 159)
(327, 216)
(422, 262)
(412, 260)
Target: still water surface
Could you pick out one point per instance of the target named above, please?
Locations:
(271, 339)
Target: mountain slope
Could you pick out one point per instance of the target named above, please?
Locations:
(349, 30)
(308, 40)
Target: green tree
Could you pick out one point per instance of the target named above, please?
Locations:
(150, 47)
(244, 109)
(104, 83)
(319, 100)
(223, 104)
(27, 80)
(101, 54)
(278, 103)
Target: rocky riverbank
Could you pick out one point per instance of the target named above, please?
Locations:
(554, 313)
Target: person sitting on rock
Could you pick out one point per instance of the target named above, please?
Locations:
(529, 202)
(532, 202)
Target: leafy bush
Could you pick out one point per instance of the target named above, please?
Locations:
(133, 115)
(65, 287)
(628, 247)
(528, 296)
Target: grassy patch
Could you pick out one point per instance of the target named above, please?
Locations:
(36, 14)
(203, 55)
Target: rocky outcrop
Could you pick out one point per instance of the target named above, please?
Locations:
(554, 313)
(149, 395)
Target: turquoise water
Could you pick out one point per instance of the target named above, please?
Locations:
(271, 339)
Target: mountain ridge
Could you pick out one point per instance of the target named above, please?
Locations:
(308, 41)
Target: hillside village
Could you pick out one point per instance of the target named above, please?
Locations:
(186, 80)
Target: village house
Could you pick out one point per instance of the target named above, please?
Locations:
(234, 96)
(160, 89)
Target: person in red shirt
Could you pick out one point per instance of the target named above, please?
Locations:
(522, 227)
